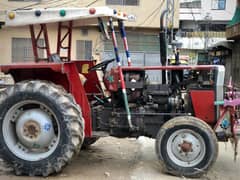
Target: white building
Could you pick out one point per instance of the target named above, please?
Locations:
(198, 10)
(203, 23)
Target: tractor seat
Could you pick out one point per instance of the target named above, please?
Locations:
(57, 59)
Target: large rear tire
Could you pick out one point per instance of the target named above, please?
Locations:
(186, 146)
(41, 127)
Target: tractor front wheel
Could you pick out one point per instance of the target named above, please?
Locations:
(41, 128)
(186, 146)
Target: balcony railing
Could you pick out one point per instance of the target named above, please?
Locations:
(233, 32)
(202, 34)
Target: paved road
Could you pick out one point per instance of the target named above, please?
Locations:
(130, 159)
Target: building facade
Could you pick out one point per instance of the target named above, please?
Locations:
(203, 24)
(142, 30)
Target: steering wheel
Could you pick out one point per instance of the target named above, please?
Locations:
(101, 66)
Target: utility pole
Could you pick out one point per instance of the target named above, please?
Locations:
(170, 19)
(166, 34)
(207, 19)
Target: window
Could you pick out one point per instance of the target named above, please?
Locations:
(84, 32)
(190, 4)
(137, 42)
(218, 4)
(22, 49)
(84, 49)
(123, 2)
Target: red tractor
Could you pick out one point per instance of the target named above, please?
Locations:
(50, 113)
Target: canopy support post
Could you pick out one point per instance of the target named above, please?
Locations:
(122, 81)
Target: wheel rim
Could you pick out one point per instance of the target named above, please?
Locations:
(186, 148)
(31, 130)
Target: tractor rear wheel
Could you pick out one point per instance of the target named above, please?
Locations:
(186, 146)
(41, 127)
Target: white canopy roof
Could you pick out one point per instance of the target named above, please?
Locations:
(80, 16)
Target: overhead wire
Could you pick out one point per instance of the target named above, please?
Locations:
(7, 5)
(50, 4)
(156, 13)
(76, 3)
(92, 3)
(28, 6)
(150, 15)
(35, 4)
(82, 5)
(63, 3)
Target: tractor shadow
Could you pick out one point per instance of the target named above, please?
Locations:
(107, 157)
